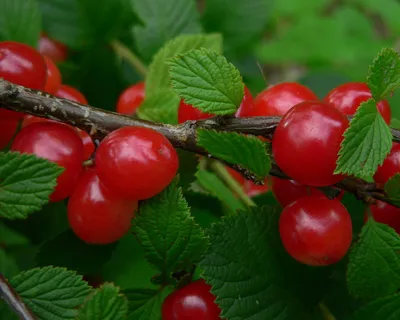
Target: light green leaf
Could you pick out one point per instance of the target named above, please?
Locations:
(10, 237)
(51, 293)
(26, 183)
(247, 151)
(392, 189)
(374, 266)
(105, 304)
(386, 308)
(366, 143)
(158, 75)
(208, 81)
(168, 233)
(384, 74)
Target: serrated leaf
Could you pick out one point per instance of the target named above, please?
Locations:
(107, 303)
(51, 293)
(384, 74)
(247, 151)
(374, 265)
(158, 74)
(169, 235)
(163, 20)
(392, 189)
(386, 308)
(249, 272)
(20, 21)
(161, 106)
(366, 142)
(26, 183)
(10, 237)
(206, 80)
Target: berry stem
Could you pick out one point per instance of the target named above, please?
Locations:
(327, 315)
(124, 52)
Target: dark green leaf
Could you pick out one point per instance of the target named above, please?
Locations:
(10, 237)
(26, 183)
(20, 21)
(392, 189)
(8, 265)
(205, 209)
(386, 308)
(366, 143)
(188, 162)
(206, 80)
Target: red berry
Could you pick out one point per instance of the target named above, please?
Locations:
(307, 141)
(315, 230)
(136, 162)
(22, 65)
(130, 99)
(8, 114)
(247, 104)
(385, 213)
(194, 302)
(30, 119)
(253, 189)
(390, 166)
(96, 214)
(58, 143)
(70, 93)
(52, 48)
(53, 81)
(278, 99)
(8, 128)
(187, 112)
(348, 97)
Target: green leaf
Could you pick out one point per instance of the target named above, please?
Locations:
(26, 183)
(374, 265)
(392, 189)
(162, 21)
(20, 21)
(145, 304)
(384, 74)
(158, 75)
(385, 308)
(161, 106)
(107, 303)
(10, 237)
(188, 162)
(207, 80)
(170, 237)
(366, 142)
(51, 293)
(247, 151)
(8, 265)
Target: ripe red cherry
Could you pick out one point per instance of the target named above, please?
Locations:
(52, 48)
(130, 99)
(8, 128)
(22, 65)
(385, 213)
(307, 141)
(58, 143)
(278, 99)
(70, 93)
(348, 97)
(187, 112)
(194, 302)
(53, 81)
(247, 104)
(8, 114)
(136, 162)
(96, 214)
(315, 230)
(390, 166)
(249, 187)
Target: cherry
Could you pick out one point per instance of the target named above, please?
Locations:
(96, 214)
(390, 166)
(187, 112)
(348, 97)
(136, 162)
(306, 143)
(9, 114)
(385, 213)
(278, 99)
(194, 302)
(53, 81)
(70, 93)
(246, 105)
(249, 187)
(58, 143)
(315, 230)
(22, 65)
(8, 128)
(52, 48)
(130, 99)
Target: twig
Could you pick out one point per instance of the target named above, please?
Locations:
(8, 294)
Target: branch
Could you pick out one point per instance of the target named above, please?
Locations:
(8, 294)
(98, 123)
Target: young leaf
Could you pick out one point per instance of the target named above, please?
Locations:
(26, 183)
(247, 151)
(107, 303)
(162, 21)
(366, 143)
(384, 74)
(207, 80)
(51, 293)
(20, 21)
(374, 262)
(170, 237)
(386, 308)
(161, 106)
(392, 189)
(158, 76)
